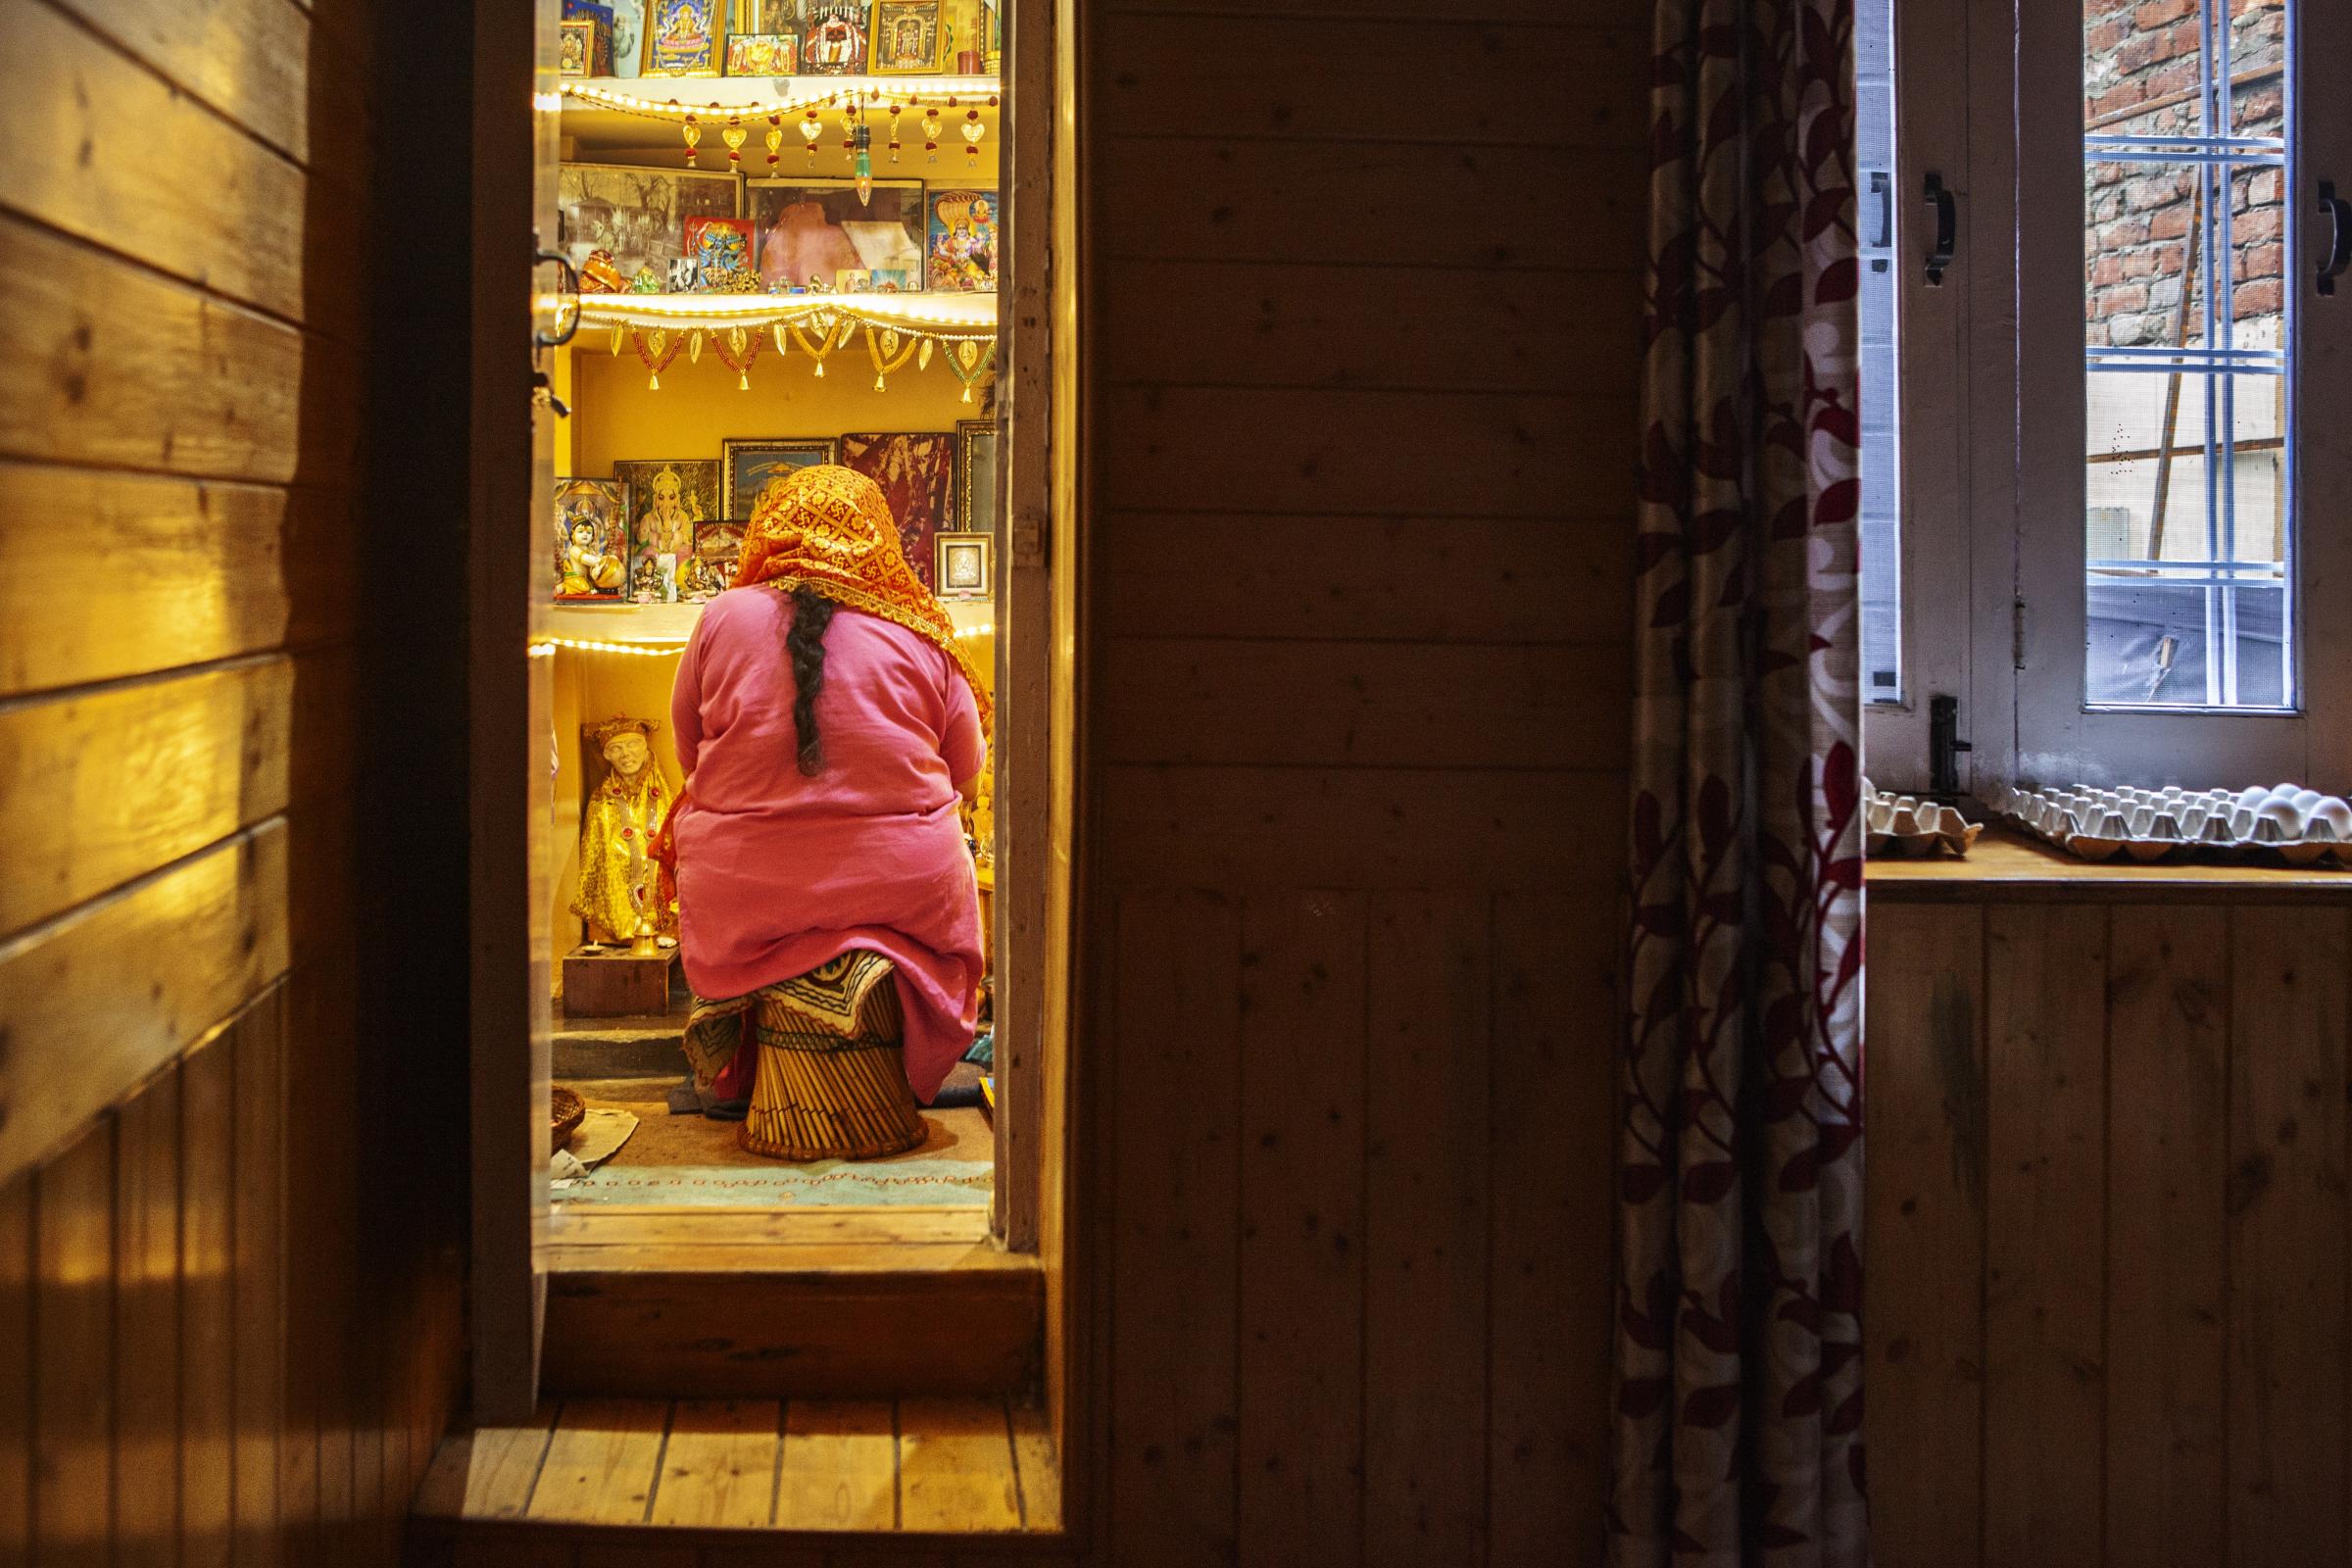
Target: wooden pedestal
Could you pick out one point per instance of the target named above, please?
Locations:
(612, 985)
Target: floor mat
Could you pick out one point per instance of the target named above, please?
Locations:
(933, 1183)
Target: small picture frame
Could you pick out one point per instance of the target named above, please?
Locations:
(964, 565)
(720, 249)
(683, 38)
(833, 39)
(959, 251)
(763, 54)
(591, 540)
(669, 500)
(976, 477)
(907, 38)
(821, 229)
(748, 465)
(586, 48)
(719, 547)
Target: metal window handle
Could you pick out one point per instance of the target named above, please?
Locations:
(1882, 190)
(1948, 229)
(2338, 212)
(572, 287)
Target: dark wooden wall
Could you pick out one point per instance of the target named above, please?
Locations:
(1364, 301)
(229, 1301)
(2106, 1269)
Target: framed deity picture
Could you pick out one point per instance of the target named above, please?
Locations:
(961, 566)
(667, 501)
(917, 472)
(818, 228)
(833, 38)
(720, 546)
(748, 464)
(585, 47)
(638, 215)
(763, 54)
(720, 249)
(905, 37)
(628, 37)
(682, 39)
(960, 252)
(975, 475)
(591, 539)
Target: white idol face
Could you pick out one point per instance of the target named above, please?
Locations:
(627, 753)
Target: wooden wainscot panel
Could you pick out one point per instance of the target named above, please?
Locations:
(2046, 1031)
(137, 777)
(1173, 1162)
(193, 574)
(147, 1409)
(1375, 705)
(1519, 830)
(2289, 971)
(100, 147)
(1924, 1214)
(100, 997)
(16, 1276)
(73, 1351)
(208, 1300)
(1303, 994)
(1411, 454)
(1465, 329)
(1365, 579)
(118, 367)
(1408, 204)
(2168, 1017)
(1296, 76)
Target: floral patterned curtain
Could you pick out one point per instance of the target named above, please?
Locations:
(1739, 1389)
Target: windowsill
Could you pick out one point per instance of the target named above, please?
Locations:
(2008, 866)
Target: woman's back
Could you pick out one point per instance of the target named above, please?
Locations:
(896, 722)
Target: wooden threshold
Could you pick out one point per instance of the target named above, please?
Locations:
(675, 1476)
(707, 1304)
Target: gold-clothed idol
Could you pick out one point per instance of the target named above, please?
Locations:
(619, 893)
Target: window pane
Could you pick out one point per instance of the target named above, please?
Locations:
(1882, 530)
(2189, 521)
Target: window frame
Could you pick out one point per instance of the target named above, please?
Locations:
(1995, 613)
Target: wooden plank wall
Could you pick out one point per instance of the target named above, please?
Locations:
(1363, 293)
(2106, 1272)
(223, 1338)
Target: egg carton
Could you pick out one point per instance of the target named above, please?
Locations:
(2286, 822)
(1904, 825)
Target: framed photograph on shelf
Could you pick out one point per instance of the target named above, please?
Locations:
(683, 38)
(975, 477)
(963, 565)
(591, 539)
(960, 250)
(586, 48)
(720, 546)
(833, 38)
(750, 463)
(818, 228)
(763, 54)
(667, 501)
(720, 249)
(639, 215)
(905, 37)
(917, 472)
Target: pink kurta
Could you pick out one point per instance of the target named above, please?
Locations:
(779, 872)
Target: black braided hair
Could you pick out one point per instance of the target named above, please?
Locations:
(804, 647)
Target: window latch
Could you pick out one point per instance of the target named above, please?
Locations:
(1948, 229)
(1944, 745)
(2338, 212)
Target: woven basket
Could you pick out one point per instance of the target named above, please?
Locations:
(819, 1097)
(565, 1111)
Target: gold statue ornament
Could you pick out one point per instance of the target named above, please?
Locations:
(619, 879)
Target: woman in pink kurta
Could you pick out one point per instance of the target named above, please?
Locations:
(783, 865)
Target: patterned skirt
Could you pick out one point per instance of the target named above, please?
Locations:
(830, 1079)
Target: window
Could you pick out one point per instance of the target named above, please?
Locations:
(2094, 511)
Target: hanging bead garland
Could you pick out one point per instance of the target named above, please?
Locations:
(656, 350)
(736, 351)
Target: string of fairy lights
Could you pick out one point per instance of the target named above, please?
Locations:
(670, 648)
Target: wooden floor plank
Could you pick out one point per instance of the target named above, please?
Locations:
(840, 1469)
(601, 1463)
(1036, 1468)
(955, 1468)
(501, 1466)
(720, 1466)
